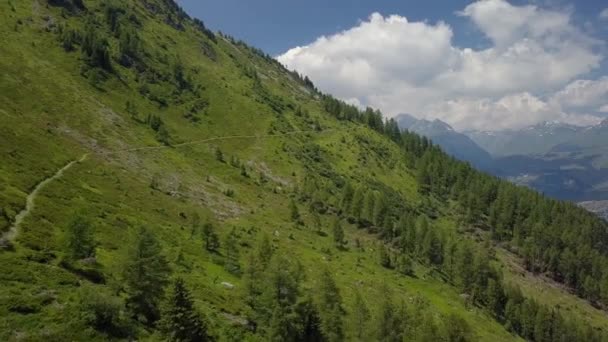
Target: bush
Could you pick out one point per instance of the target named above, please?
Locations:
(104, 312)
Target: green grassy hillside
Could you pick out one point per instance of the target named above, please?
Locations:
(173, 128)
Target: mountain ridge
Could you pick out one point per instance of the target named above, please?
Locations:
(291, 238)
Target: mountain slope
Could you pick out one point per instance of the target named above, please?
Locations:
(243, 176)
(453, 143)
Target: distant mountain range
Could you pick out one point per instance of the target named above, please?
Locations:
(538, 139)
(452, 142)
(563, 161)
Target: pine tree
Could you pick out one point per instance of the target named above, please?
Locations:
(329, 304)
(316, 221)
(309, 322)
(145, 277)
(257, 262)
(367, 213)
(347, 197)
(212, 241)
(264, 251)
(357, 203)
(360, 318)
(338, 233)
(180, 320)
(80, 239)
(385, 257)
(278, 302)
(495, 298)
(388, 322)
(293, 211)
(380, 211)
(232, 252)
(405, 265)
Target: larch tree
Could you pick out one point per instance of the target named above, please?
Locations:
(145, 276)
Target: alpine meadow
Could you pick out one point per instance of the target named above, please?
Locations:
(160, 181)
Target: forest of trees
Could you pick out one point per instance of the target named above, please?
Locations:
(552, 237)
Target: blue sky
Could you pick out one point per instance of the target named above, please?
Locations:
(276, 25)
(476, 40)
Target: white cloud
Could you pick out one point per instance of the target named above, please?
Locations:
(604, 14)
(402, 66)
(583, 94)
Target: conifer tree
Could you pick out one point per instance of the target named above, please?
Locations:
(80, 239)
(347, 197)
(357, 203)
(405, 265)
(360, 318)
(338, 234)
(329, 304)
(145, 277)
(316, 221)
(388, 323)
(278, 301)
(232, 252)
(367, 213)
(210, 238)
(384, 257)
(180, 321)
(293, 211)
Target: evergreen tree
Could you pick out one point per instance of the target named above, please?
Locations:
(338, 234)
(495, 297)
(388, 323)
(357, 203)
(264, 250)
(293, 211)
(329, 304)
(212, 241)
(309, 322)
(347, 197)
(80, 239)
(180, 320)
(457, 329)
(384, 257)
(432, 248)
(367, 212)
(360, 318)
(232, 252)
(380, 211)
(316, 221)
(405, 265)
(145, 277)
(278, 302)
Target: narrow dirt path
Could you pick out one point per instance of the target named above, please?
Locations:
(194, 142)
(30, 200)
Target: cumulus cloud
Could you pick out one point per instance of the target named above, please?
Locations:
(583, 94)
(604, 14)
(402, 66)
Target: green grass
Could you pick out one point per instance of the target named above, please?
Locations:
(51, 115)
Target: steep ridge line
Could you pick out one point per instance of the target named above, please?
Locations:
(29, 205)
